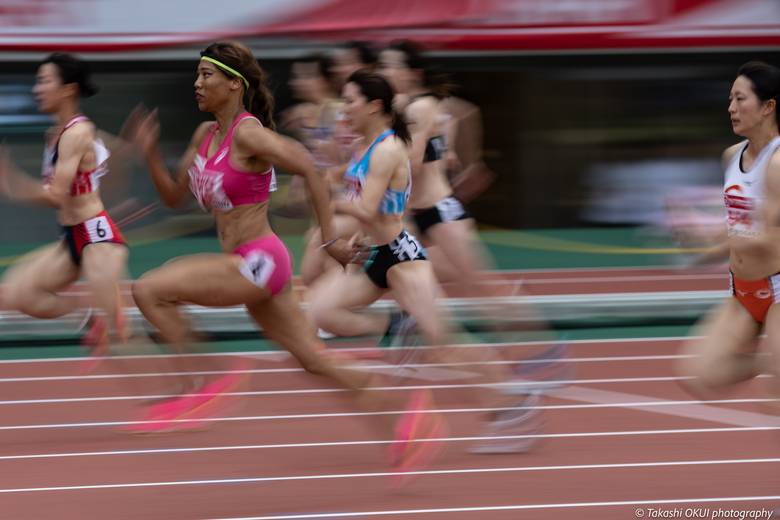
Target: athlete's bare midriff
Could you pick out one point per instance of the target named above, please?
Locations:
(753, 258)
(430, 186)
(241, 224)
(79, 208)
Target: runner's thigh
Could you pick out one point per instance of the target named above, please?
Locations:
(50, 270)
(211, 280)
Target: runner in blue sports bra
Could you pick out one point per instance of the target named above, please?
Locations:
(378, 183)
(381, 258)
(394, 201)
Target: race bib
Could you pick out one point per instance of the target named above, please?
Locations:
(257, 267)
(99, 229)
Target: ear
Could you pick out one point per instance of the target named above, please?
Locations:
(770, 105)
(71, 90)
(236, 83)
(375, 106)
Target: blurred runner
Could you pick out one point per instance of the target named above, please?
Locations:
(229, 166)
(312, 123)
(468, 174)
(75, 159)
(348, 58)
(728, 354)
(378, 184)
(448, 231)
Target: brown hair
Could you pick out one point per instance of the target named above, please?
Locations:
(238, 57)
(374, 86)
(439, 84)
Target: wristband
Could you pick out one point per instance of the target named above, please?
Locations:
(323, 246)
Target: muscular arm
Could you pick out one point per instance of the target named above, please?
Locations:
(292, 157)
(172, 188)
(73, 145)
(17, 185)
(421, 120)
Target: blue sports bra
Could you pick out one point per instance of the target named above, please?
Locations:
(393, 201)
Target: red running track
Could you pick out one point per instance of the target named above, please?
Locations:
(622, 437)
(657, 445)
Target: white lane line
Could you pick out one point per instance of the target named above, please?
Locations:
(264, 353)
(699, 411)
(651, 278)
(518, 384)
(471, 471)
(392, 412)
(304, 516)
(575, 435)
(288, 370)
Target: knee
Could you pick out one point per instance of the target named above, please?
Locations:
(691, 377)
(319, 310)
(316, 364)
(16, 297)
(143, 293)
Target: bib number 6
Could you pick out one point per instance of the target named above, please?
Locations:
(99, 229)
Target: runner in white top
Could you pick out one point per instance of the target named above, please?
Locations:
(728, 354)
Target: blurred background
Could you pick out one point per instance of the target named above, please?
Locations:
(592, 110)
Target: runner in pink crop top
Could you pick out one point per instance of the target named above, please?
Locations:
(218, 184)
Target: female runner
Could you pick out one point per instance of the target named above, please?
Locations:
(439, 218)
(448, 231)
(74, 160)
(728, 354)
(311, 122)
(348, 58)
(228, 166)
(377, 185)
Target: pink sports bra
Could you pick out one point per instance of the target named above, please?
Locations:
(217, 184)
(84, 182)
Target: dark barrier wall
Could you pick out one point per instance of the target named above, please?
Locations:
(574, 140)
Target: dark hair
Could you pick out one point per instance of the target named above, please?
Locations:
(364, 52)
(73, 70)
(373, 86)
(238, 57)
(439, 84)
(764, 80)
(324, 64)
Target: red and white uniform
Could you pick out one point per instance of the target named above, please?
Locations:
(744, 192)
(85, 182)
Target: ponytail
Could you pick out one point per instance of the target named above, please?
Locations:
(237, 56)
(401, 127)
(374, 86)
(261, 105)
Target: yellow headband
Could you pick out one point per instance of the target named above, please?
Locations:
(215, 62)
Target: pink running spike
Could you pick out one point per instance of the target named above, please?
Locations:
(158, 418)
(420, 440)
